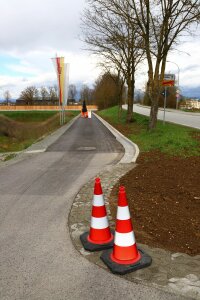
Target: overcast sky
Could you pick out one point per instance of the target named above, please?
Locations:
(31, 32)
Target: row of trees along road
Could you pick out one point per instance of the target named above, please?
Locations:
(108, 91)
(31, 93)
(49, 94)
(126, 33)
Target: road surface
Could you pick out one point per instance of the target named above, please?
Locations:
(37, 258)
(172, 115)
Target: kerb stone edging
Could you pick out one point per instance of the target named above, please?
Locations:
(131, 149)
(175, 273)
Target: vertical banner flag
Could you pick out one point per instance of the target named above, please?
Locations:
(62, 71)
(60, 74)
(66, 83)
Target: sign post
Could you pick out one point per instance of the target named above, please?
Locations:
(165, 101)
(169, 80)
(177, 98)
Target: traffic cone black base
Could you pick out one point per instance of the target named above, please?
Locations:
(121, 268)
(89, 246)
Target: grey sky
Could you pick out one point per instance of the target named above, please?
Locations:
(39, 24)
(31, 32)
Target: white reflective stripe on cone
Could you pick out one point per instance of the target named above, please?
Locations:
(124, 239)
(99, 223)
(123, 213)
(98, 200)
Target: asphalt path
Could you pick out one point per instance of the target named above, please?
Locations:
(171, 115)
(37, 258)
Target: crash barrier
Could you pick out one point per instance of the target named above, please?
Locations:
(124, 255)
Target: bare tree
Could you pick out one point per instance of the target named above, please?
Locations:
(44, 93)
(110, 36)
(72, 91)
(7, 96)
(53, 93)
(106, 91)
(119, 80)
(29, 94)
(86, 93)
(161, 24)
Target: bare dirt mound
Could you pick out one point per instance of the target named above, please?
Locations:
(164, 199)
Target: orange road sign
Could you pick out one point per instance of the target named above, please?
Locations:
(167, 82)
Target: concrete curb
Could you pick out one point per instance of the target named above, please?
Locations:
(131, 149)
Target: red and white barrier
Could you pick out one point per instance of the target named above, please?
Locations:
(99, 230)
(125, 256)
(99, 236)
(125, 248)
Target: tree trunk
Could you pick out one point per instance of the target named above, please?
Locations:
(153, 113)
(120, 91)
(129, 116)
(154, 95)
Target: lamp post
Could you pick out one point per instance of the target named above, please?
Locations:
(178, 80)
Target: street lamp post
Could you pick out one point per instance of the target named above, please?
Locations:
(177, 82)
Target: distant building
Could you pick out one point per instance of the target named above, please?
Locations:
(190, 104)
(71, 102)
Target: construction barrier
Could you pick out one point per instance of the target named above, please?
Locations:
(125, 256)
(100, 236)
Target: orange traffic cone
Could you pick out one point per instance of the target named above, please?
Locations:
(100, 236)
(125, 257)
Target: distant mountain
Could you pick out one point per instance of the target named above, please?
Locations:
(191, 92)
(11, 100)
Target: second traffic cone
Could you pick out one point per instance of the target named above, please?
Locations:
(125, 256)
(100, 236)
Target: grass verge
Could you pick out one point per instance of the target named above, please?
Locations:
(29, 116)
(18, 135)
(170, 138)
(9, 156)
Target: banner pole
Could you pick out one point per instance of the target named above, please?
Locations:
(60, 115)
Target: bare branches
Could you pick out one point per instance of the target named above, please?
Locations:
(123, 32)
(112, 36)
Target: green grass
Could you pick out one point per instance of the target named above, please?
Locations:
(8, 144)
(9, 156)
(33, 126)
(169, 138)
(194, 110)
(29, 116)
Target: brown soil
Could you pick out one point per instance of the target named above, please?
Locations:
(164, 200)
